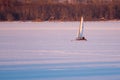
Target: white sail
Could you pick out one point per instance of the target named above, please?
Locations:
(80, 32)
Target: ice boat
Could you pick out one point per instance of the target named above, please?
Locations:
(80, 31)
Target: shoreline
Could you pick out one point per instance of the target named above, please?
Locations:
(67, 21)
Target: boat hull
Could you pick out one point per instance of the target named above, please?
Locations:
(79, 39)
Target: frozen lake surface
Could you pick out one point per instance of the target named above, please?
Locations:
(48, 51)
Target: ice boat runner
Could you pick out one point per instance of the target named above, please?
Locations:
(80, 32)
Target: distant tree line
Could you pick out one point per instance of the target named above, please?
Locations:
(13, 10)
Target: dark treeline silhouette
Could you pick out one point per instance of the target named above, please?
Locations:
(13, 10)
